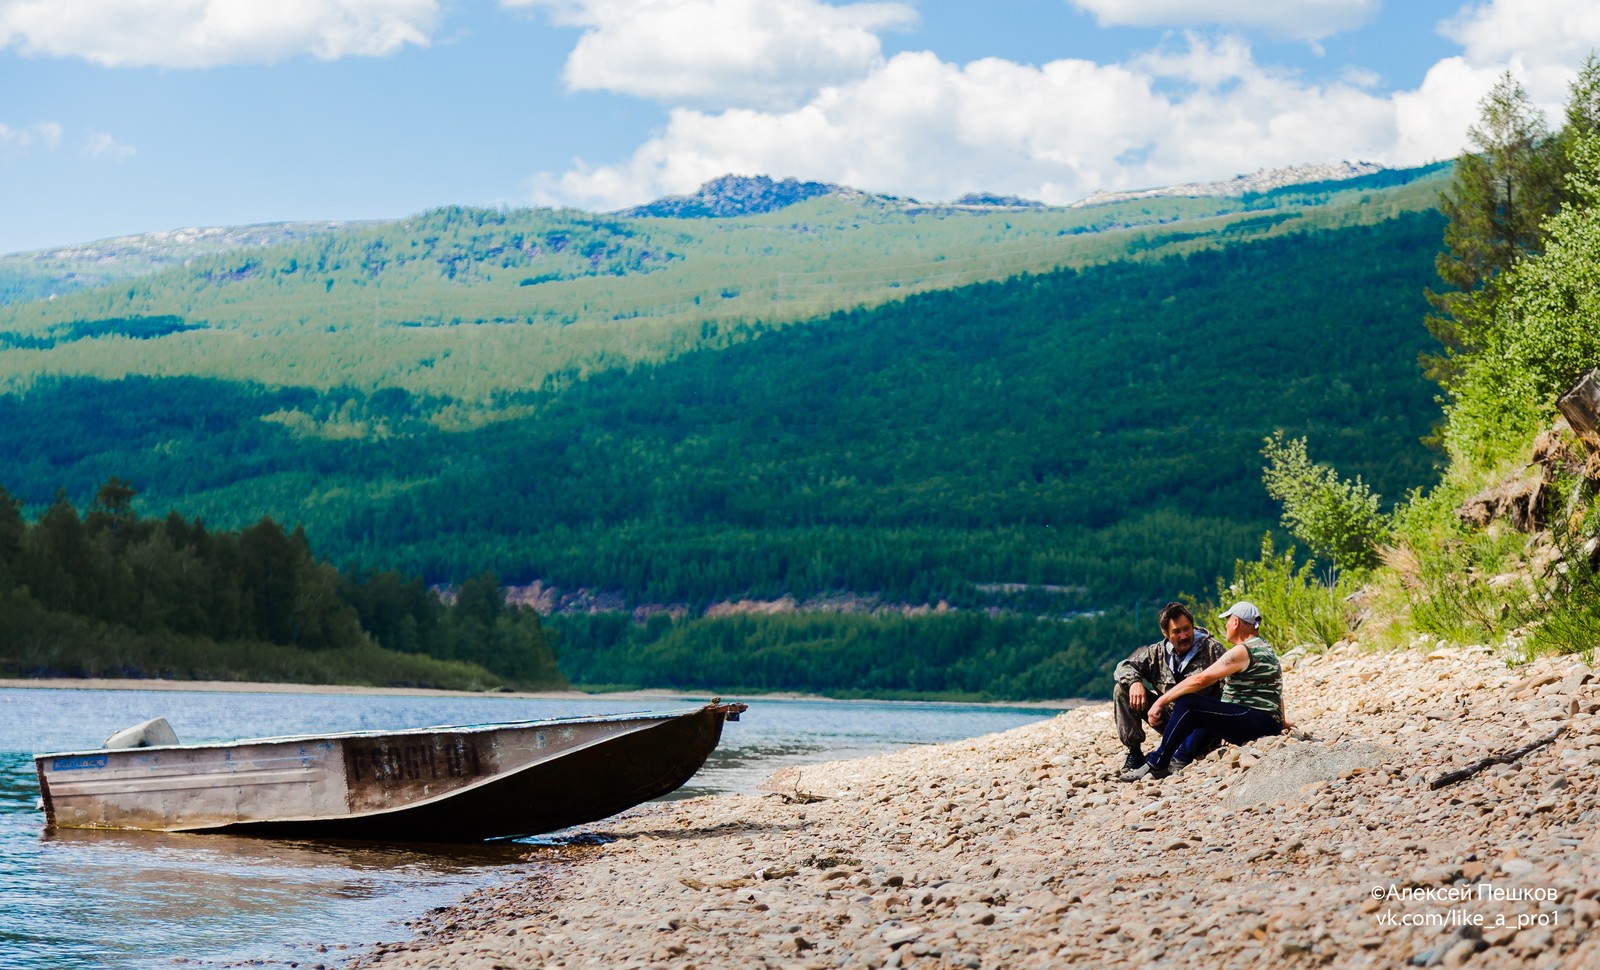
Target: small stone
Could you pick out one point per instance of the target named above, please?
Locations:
(1517, 867)
(1460, 952)
(974, 913)
(1531, 942)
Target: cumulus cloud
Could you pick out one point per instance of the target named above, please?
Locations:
(1057, 132)
(208, 33)
(98, 144)
(19, 141)
(1310, 20)
(754, 53)
(1538, 40)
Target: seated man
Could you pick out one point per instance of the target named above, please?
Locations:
(1251, 706)
(1153, 670)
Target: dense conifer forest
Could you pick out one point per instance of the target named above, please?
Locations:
(109, 593)
(1047, 454)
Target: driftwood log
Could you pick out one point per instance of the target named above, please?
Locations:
(1461, 774)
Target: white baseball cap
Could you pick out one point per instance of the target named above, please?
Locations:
(1245, 611)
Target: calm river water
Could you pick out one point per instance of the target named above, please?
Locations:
(73, 900)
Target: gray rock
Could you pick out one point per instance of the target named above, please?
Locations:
(1281, 773)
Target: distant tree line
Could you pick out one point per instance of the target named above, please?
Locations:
(961, 655)
(111, 575)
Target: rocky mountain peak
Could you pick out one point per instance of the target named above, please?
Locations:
(1261, 180)
(734, 195)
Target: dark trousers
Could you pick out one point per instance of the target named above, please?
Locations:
(1130, 724)
(1195, 723)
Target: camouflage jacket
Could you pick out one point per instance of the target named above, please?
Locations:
(1149, 664)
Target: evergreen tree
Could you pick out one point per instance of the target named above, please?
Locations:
(1582, 119)
(12, 529)
(1505, 185)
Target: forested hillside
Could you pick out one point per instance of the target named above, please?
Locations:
(467, 308)
(1084, 438)
(1055, 429)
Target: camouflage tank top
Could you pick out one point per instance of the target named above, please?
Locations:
(1259, 685)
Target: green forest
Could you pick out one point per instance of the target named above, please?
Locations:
(467, 309)
(1047, 454)
(108, 593)
(1044, 430)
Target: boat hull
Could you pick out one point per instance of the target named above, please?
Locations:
(432, 785)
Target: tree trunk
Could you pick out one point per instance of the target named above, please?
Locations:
(1581, 405)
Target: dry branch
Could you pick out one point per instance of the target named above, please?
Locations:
(1460, 774)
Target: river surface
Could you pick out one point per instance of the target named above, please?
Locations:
(71, 900)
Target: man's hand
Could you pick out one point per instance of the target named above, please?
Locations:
(1138, 697)
(1158, 713)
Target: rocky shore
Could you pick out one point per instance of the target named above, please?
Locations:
(1328, 847)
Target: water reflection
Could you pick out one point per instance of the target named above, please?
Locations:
(221, 898)
(229, 852)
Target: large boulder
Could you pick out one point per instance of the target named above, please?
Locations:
(1280, 774)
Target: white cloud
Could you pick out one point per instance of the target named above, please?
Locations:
(1309, 20)
(918, 125)
(18, 141)
(1541, 41)
(208, 33)
(756, 53)
(98, 144)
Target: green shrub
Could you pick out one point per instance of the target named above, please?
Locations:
(1545, 334)
(1338, 519)
(1564, 610)
(1448, 571)
(1297, 607)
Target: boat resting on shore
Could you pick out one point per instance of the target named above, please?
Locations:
(463, 783)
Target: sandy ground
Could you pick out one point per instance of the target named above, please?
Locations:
(1021, 849)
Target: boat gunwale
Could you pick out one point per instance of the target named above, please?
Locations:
(385, 732)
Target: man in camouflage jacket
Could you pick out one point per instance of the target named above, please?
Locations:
(1154, 669)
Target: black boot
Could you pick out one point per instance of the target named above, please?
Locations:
(1135, 759)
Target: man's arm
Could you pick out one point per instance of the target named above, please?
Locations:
(1214, 650)
(1227, 665)
(1139, 666)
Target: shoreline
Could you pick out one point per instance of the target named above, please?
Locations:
(272, 687)
(1323, 848)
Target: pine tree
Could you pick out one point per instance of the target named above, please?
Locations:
(1506, 184)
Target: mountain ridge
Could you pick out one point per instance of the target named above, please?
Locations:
(1261, 180)
(727, 196)
(731, 195)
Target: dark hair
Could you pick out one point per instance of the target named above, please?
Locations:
(1171, 612)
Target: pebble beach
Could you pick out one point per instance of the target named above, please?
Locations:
(1343, 844)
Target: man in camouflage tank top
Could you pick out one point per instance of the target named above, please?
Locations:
(1251, 705)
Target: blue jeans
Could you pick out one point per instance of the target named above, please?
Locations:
(1195, 721)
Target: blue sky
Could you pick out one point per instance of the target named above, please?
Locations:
(124, 116)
